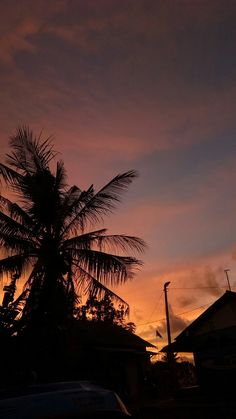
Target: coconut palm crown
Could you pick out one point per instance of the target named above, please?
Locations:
(48, 235)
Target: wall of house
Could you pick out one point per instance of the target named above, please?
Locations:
(223, 317)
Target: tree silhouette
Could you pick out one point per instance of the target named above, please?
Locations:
(104, 310)
(48, 234)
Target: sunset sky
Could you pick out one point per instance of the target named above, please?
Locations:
(147, 85)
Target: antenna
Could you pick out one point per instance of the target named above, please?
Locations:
(227, 277)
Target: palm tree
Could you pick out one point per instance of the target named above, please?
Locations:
(48, 234)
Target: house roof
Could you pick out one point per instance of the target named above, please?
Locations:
(224, 299)
(186, 341)
(102, 334)
(87, 335)
(206, 341)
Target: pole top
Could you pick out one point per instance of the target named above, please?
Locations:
(166, 284)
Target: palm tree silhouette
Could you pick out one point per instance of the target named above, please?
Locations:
(48, 236)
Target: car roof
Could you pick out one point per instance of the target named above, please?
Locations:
(47, 387)
(64, 398)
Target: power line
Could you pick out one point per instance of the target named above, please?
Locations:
(199, 288)
(195, 288)
(156, 305)
(185, 312)
(178, 314)
(189, 311)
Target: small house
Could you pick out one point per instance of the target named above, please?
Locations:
(97, 351)
(212, 340)
(111, 355)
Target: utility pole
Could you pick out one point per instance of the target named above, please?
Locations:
(167, 312)
(227, 277)
(170, 354)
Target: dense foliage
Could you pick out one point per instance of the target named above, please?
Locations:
(104, 310)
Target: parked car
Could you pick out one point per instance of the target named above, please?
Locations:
(64, 400)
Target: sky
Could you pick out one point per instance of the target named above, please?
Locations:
(148, 85)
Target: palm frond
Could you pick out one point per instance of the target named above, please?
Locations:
(83, 241)
(11, 264)
(99, 240)
(74, 202)
(10, 226)
(69, 200)
(106, 268)
(90, 285)
(103, 202)
(16, 212)
(121, 242)
(17, 244)
(29, 154)
(9, 175)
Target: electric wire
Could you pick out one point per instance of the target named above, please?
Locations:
(185, 312)
(197, 288)
(178, 314)
(156, 305)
